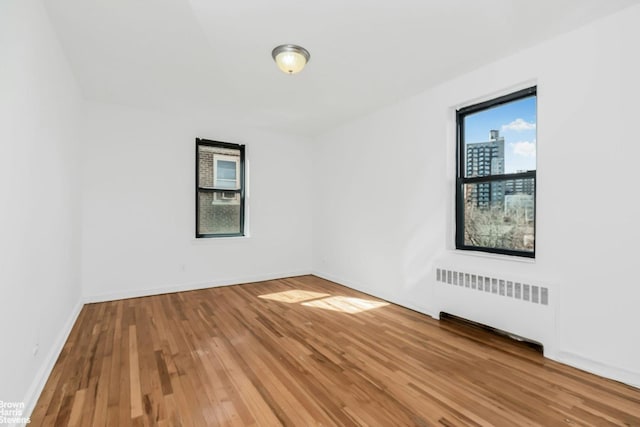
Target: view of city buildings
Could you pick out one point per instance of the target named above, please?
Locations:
(498, 214)
(485, 159)
(515, 196)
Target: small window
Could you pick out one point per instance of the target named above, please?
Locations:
(496, 182)
(226, 170)
(219, 189)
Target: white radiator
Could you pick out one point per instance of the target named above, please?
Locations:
(519, 307)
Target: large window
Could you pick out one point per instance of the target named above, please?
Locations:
(496, 183)
(219, 189)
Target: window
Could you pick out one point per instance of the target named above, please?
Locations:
(219, 189)
(226, 171)
(496, 175)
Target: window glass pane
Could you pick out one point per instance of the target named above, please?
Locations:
(219, 212)
(501, 139)
(500, 214)
(226, 170)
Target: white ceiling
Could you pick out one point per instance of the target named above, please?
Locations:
(214, 56)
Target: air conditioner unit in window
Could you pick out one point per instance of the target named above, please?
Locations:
(226, 197)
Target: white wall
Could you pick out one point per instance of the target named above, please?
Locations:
(139, 206)
(384, 185)
(39, 213)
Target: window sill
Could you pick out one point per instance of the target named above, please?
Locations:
(499, 257)
(214, 239)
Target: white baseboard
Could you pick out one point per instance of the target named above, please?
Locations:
(597, 368)
(135, 293)
(358, 287)
(41, 377)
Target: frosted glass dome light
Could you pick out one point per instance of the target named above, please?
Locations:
(290, 58)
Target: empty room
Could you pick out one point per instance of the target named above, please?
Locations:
(356, 213)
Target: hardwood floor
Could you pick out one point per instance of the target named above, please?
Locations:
(304, 351)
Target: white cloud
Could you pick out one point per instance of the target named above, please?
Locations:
(524, 148)
(519, 125)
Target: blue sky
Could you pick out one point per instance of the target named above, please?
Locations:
(516, 122)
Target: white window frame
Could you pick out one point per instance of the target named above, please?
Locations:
(224, 157)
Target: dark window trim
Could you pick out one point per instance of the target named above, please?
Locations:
(241, 191)
(461, 180)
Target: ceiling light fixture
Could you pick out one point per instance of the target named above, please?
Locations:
(290, 58)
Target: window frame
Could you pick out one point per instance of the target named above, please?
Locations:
(213, 189)
(462, 179)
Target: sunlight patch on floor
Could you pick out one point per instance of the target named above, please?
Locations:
(345, 304)
(293, 296)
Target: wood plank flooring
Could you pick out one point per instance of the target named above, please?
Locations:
(304, 352)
